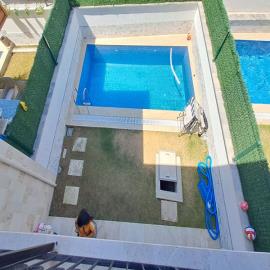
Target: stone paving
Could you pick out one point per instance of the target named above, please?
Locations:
(75, 167)
(169, 211)
(71, 193)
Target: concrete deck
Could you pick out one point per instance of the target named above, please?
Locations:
(143, 233)
(247, 5)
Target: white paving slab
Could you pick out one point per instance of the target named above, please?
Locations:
(79, 144)
(168, 211)
(71, 195)
(75, 167)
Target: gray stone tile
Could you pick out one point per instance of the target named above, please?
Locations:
(71, 195)
(79, 144)
(169, 211)
(75, 167)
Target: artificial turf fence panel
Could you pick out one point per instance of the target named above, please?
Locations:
(250, 158)
(77, 3)
(22, 132)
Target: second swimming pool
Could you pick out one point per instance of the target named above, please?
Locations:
(139, 77)
(255, 66)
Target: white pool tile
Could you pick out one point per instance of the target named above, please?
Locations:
(75, 167)
(168, 211)
(71, 195)
(79, 144)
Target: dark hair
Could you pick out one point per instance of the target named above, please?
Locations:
(83, 218)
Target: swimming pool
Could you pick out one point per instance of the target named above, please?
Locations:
(255, 66)
(138, 77)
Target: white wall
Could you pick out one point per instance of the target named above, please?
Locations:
(136, 20)
(26, 190)
(51, 131)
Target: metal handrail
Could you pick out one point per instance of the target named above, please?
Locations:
(172, 68)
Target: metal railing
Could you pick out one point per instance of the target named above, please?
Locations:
(45, 257)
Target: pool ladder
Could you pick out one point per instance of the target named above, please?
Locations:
(84, 97)
(172, 68)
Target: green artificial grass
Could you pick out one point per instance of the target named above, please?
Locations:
(249, 154)
(119, 2)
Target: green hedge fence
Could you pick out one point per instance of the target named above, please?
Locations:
(250, 158)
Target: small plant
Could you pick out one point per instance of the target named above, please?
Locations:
(16, 12)
(39, 10)
(27, 11)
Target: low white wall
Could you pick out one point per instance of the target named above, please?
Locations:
(162, 255)
(51, 131)
(25, 29)
(26, 190)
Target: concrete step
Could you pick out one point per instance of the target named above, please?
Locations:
(122, 122)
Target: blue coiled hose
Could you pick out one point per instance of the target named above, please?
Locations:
(206, 189)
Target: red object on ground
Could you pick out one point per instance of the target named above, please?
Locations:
(250, 233)
(244, 205)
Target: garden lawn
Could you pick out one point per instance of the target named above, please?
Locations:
(20, 65)
(118, 180)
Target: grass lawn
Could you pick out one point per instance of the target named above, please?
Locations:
(265, 137)
(20, 65)
(118, 181)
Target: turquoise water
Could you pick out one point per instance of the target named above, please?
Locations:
(135, 77)
(255, 66)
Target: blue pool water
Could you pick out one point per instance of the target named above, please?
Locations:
(135, 77)
(255, 66)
